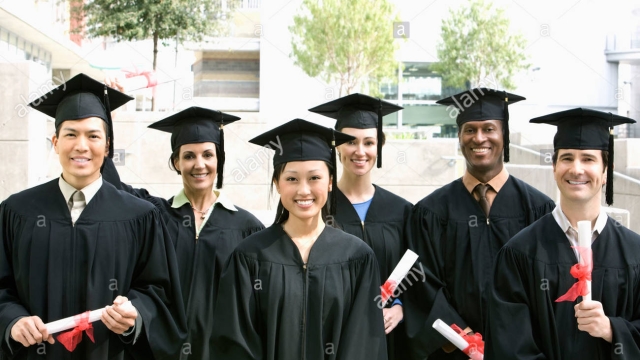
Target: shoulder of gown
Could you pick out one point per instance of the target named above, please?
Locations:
(115, 205)
(348, 247)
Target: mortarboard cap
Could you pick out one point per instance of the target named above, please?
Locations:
(480, 104)
(358, 111)
(197, 125)
(79, 98)
(301, 140)
(586, 129)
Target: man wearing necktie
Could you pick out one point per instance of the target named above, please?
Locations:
(458, 229)
(77, 243)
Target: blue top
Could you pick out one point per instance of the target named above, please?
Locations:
(362, 208)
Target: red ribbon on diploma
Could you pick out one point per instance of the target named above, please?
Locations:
(582, 272)
(476, 345)
(72, 338)
(152, 79)
(387, 290)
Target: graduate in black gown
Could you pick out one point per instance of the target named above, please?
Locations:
(204, 224)
(457, 231)
(364, 209)
(76, 244)
(533, 270)
(300, 289)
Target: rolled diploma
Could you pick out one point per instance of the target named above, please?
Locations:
(453, 337)
(584, 241)
(401, 270)
(71, 322)
(135, 83)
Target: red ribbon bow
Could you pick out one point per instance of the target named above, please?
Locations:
(387, 290)
(71, 339)
(476, 345)
(582, 272)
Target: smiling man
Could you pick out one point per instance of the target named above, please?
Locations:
(77, 243)
(458, 229)
(534, 268)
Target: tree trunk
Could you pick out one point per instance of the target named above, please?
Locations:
(155, 60)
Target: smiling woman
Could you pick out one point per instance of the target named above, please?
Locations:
(363, 209)
(300, 289)
(204, 224)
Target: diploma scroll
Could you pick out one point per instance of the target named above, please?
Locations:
(401, 270)
(72, 321)
(457, 340)
(584, 241)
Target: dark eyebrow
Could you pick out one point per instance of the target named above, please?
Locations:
(310, 171)
(191, 152)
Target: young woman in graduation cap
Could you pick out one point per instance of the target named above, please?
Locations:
(364, 209)
(203, 223)
(301, 289)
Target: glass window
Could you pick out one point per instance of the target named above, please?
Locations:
(420, 89)
(20, 48)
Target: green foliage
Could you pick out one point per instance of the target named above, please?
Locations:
(478, 48)
(348, 42)
(186, 20)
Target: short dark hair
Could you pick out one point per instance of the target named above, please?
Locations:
(104, 124)
(383, 138)
(605, 158)
(282, 214)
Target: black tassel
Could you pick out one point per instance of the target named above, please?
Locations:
(221, 157)
(506, 128)
(609, 186)
(334, 175)
(379, 133)
(107, 107)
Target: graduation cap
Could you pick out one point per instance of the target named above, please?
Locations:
(301, 140)
(197, 125)
(358, 111)
(79, 98)
(484, 104)
(586, 129)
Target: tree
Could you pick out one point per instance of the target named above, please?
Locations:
(346, 42)
(129, 20)
(478, 47)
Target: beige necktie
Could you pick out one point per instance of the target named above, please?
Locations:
(481, 190)
(76, 205)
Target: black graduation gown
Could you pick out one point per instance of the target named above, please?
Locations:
(383, 230)
(457, 245)
(532, 271)
(201, 261)
(54, 269)
(272, 306)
